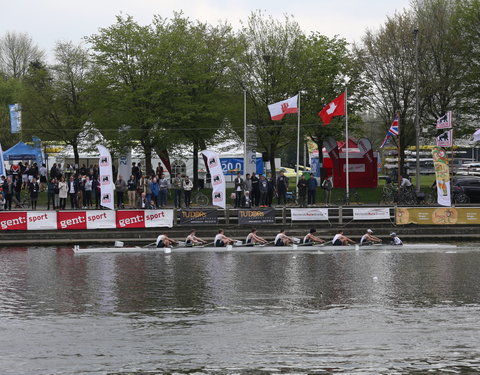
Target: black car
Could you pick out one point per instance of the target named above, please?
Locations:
(469, 185)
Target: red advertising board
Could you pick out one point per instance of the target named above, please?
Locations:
(71, 220)
(130, 219)
(13, 220)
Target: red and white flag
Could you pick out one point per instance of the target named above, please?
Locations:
(280, 109)
(335, 108)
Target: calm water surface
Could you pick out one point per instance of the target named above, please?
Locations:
(297, 313)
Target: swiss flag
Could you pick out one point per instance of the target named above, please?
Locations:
(280, 109)
(335, 108)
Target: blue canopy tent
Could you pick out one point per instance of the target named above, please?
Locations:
(20, 151)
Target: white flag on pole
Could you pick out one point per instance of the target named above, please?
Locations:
(280, 109)
(105, 179)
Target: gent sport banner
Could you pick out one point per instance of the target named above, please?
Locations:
(261, 216)
(78, 220)
(440, 215)
(371, 213)
(200, 216)
(309, 214)
(442, 176)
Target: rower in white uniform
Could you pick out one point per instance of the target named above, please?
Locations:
(164, 241)
(282, 239)
(253, 239)
(192, 239)
(396, 241)
(311, 238)
(221, 240)
(368, 238)
(341, 240)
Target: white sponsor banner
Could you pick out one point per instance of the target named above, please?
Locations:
(218, 179)
(309, 214)
(99, 219)
(371, 213)
(354, 168)
(41, 220)
(106, 180)
(158, 218)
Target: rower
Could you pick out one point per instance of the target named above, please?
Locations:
(395, 240)
(192, 239)
(368, 238)
(253, 239)
(221, 240)
(164, 241)
(282, 239)
(310, 238)
(341, 240)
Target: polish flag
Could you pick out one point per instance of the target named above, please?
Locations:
(280, 109)
(335, 108)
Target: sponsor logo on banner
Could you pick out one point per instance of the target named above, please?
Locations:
(437, 216)
(212, 162)
(218, 197)
(445, 139)
(104, 161)
(130, 219)
(13, 220)
(445, 122)
(207, 216)
(101, 219)
(371, 213)
(71, 220)
(309, 214)
(106, 198)
(263, 216)
(104, 179)
(360, 168)
(158, 218)
(39, 220)
(217, 179)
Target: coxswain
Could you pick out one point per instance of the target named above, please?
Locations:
(282, 239)
(192, 239)
(341, 240)
(164, 241)
(368, 238)
(221, 240)
(311, 238)
(253, 239)
(395, 240)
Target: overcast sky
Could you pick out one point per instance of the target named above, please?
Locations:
(48, 21)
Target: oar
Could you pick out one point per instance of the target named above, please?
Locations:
(207, 244)
(323, 244)
(150, 244)
(265, 244)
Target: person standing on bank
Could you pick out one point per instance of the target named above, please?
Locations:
(327, 186)
(282, 188)
(263, 186)
(34, 188)
(51, 193)
(271, 189)
(132, 190)
(178, 188)
(187, 191)
(239, 186)
(121, 188)
(72, 192)
(248, 185)
(312, 189)
(163, 192)
(62, 192)
(302, 191)
(255, 192)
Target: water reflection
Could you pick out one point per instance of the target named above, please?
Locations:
(341, 312)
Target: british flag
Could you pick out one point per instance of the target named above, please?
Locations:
(392, 131)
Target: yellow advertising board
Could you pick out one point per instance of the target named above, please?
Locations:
(439, 215)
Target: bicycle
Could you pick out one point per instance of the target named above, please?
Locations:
(199, 199)
(353, 198)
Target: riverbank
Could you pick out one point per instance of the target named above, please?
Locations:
(354, 230)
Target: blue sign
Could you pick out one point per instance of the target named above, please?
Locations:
(231, 166)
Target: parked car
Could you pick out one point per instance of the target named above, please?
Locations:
(469, 185)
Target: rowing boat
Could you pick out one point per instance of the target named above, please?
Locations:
(260, 248)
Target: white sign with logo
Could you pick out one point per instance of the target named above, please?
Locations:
(158, 218)
(309, 214)
(41, 220)
(98, 219)
(106, 180)
(360, 168)
(371, 213)
(213, 164)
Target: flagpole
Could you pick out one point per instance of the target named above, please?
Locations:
(298, 145)
(347, 195)
(244, 133)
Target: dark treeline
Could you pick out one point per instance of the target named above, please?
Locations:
(178, 81)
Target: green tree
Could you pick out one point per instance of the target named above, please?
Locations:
(17, 52)
(10, 91)
(55, 97)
